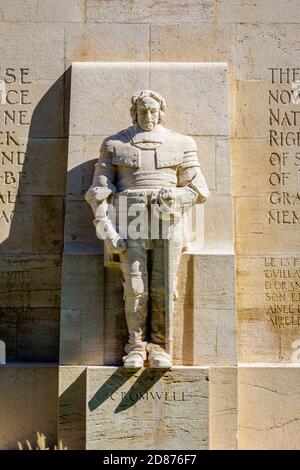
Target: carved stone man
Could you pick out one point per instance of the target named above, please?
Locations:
(153, 167)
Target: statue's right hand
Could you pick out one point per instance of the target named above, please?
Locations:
(115, 245)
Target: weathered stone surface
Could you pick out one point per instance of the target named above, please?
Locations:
(223, 409)
(82, 318)
(273, 392)
(72, 406)
(30, 281)
(36, 168)
(266, 11)
(216, 280)
(95, 401)
(32, 45)
(251, 117)
(218, 230)
(93, 42)
(214, 310)
(30, 110)
(207, 157)
(79, 229)
(251, 167)
(146, 11)
(209, 82)
(29, 307)
(185, 42)
(280, 45)
(223, 166)
(28, 405)
(174, 406)
(89, 96)
(35, 11)
(257, 233)
(40, 221)
(268, 304)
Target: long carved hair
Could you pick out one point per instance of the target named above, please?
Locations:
(143, 94)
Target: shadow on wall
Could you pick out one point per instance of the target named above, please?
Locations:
(31, 253)
(138, 390)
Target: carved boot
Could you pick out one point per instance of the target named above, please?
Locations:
(158, 357)
(136, 351)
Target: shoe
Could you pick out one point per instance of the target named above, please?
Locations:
(158, 357)
(136, 351)
(133, 360)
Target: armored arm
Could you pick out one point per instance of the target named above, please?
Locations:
(98, 195)
(104, 177)
(190, 174)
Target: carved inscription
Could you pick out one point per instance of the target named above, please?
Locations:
(282, 290)
(284, 141)
(15, 112)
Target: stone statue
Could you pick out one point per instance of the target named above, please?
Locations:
(153, 167)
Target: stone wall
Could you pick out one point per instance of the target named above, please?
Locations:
(40, 40)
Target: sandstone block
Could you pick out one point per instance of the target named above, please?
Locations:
(145, 11)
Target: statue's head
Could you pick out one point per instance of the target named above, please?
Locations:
(147, 109)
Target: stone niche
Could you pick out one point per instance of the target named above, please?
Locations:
(93, 329)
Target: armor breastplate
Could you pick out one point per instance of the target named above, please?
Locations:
(166, 150)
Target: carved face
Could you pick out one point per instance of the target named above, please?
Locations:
(147, 113)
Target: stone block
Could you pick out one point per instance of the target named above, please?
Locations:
(40, 221)
(82, 319)
(30, 281)
(273, 392)
(95, 42)
(280, 44)
(29, 307)
(266, 11)
(72, 406)
(88, 96)
(223, 166)
(38, 334)
(174, 406)
(28, 405)
(206, 115)
(33, 46)
(262, 228)
(79, 229)
(268, 307)
(251, 116)
(223, 408)
(31, 110)
(36, 11)
(218, 224)
(207, 157)
(145, 11)
(38, 169)
(214, 310)
(251, 167)
(83, 154)
(198, 42)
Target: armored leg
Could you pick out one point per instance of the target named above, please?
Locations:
(157, 354)
(135, 283)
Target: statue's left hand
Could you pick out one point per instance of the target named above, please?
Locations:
(167, 197)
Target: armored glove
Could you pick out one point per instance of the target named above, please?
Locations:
(174, 201)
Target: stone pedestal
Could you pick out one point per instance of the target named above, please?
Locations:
(117, 408)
